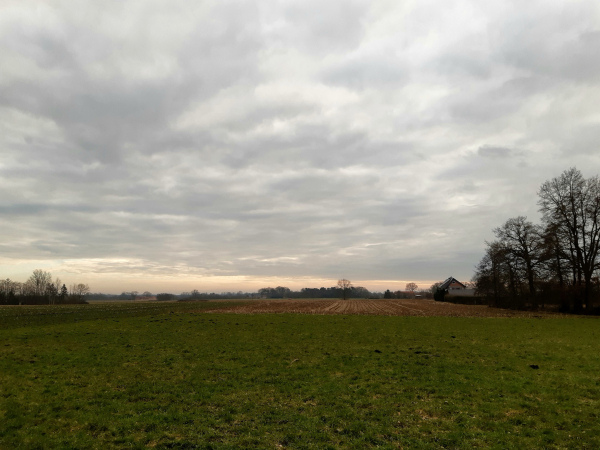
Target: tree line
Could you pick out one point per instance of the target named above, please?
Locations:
(555, 262)
(410, 292)
(41, 289)
(344, 290)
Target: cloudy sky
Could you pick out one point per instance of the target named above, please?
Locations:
(225, 145)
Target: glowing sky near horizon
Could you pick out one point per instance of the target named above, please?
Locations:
(227, 145)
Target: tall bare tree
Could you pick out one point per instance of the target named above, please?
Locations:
(412, 287)
(559, 259)
(345, 287)
(39, 281)
(571, 204)
(523, 241)
(9, 290)
(493, 274)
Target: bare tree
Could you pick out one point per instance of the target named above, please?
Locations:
(9, 290)
(488, 275)
(18, 287)
(412, 287)
(571, 205)
(38, 282)
(78, 291)
(51, 293)
(58, 284)
(523, 240)
(8, 286)
(345, 287)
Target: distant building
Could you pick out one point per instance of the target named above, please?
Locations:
(452, 284)
(454, 287)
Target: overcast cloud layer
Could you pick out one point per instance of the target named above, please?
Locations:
(219, 144)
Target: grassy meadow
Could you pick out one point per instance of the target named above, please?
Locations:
(172, 377)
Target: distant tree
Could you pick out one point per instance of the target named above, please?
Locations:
(310, 292)
(434, 287)
(8, 291)
(51, 293)
(495, 275)
(39, 282)
(133, 295)
(147, 294)
(360, 292)
(412, 287)
(266, 292)
(345, 287)
(63, 293)
(56, 290)
(278, 292)
(78, 291)
(164, 297)
(387, 294)
(282, 291)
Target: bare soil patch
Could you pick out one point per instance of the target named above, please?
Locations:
(423, 308)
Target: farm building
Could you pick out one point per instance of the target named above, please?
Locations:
(455, 287)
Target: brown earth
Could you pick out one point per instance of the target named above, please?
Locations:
(375, 307)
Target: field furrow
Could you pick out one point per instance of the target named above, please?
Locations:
(402, 307)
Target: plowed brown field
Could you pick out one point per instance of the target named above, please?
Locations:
(374, 307)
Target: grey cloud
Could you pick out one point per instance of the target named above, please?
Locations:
(460, 64)
(585, 139)
(574, 57)
(292, 139)
(372, 71)
(35, 209)
(324, 27)
(102, 114)
(490, 151)
(499, 102)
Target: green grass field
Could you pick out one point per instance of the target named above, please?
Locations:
(168, 378)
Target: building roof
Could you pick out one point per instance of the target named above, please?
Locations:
(448, 282)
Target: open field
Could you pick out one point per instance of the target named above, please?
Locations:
(424, 308)
(175, 379)
(19, 316)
